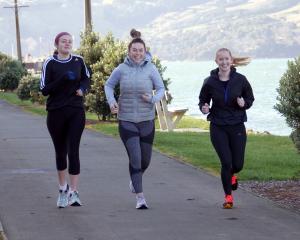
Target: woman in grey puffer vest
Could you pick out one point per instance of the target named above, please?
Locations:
(138, 77)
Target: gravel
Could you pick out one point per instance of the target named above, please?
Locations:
(284, 193)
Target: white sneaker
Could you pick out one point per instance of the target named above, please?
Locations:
(62, 200)
(141, 203)
(74, 199)
(131, 187)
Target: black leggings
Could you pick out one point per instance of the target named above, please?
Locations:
(65, 126)
(138, 140)
(229, 143)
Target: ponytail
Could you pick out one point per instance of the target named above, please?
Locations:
(236, 61)
(240, 61)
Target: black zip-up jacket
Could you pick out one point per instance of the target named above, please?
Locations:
(225, 109)
(61, 79)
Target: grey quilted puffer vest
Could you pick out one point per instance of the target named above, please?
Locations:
(135, 81)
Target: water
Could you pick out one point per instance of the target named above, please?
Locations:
(263, 75)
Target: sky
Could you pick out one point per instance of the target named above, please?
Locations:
(49, 18)
(43, 19)
(52, 16)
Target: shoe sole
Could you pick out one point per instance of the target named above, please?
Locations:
(143, 207)
(62, 206)
(76, 204)
(228, 205)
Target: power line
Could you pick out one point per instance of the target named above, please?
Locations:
(18, 38)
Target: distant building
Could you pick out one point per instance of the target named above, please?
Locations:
(33, 65)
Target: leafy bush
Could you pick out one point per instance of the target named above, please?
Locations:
(28, 89)
(11, 71)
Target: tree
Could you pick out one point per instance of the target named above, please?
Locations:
(11, 71)
(289, 99)
(103, 55)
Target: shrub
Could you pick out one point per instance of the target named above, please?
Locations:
(29, 89)
(11, 71)
(289, 99)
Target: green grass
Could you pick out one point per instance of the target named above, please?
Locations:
(25, 105)
(106, 128)
(192, 122)
(267, 157)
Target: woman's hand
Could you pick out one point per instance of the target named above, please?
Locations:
(114, 108)
(79, 93)
(241, 101)
(205, 108)
(147, 97)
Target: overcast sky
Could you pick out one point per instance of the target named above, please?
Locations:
(43, 19)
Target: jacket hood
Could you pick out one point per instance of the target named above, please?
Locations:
(148, 58)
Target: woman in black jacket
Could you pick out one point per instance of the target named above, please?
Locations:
(65, 79)
(231, 94)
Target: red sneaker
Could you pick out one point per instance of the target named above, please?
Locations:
(234, 183)
(228, 204)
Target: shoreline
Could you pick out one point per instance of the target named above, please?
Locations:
(248, 129)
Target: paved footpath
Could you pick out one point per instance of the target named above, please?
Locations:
(184, 202)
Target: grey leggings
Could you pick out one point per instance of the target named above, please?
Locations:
(138, 140)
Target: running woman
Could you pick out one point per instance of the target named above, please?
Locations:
(138, 77)
(65, 79)
(231, 94)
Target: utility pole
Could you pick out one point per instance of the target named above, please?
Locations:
(16, 7)
(88, 14)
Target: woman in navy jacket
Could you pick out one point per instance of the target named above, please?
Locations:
(65, 78)
(231, 94)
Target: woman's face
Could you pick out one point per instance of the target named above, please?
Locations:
(64, 45)
(224, 60)
(137, 52)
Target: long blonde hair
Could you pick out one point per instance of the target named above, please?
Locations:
(236, 61)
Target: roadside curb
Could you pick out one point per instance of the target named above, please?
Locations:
(2, 234)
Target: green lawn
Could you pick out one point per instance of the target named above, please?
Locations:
(267, 157)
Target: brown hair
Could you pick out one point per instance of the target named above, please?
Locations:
(136, 38)
(56, 40)
(236, 61)
(59, 35)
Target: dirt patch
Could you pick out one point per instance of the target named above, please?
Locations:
(284, 193)
(91, 122)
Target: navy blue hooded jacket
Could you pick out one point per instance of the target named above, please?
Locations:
(225, 109)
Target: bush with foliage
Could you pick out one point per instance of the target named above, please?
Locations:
(29, 89)
(289, 99)
(102, 55)
(11, 71)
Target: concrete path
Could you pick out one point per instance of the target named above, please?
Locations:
(185, 204)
